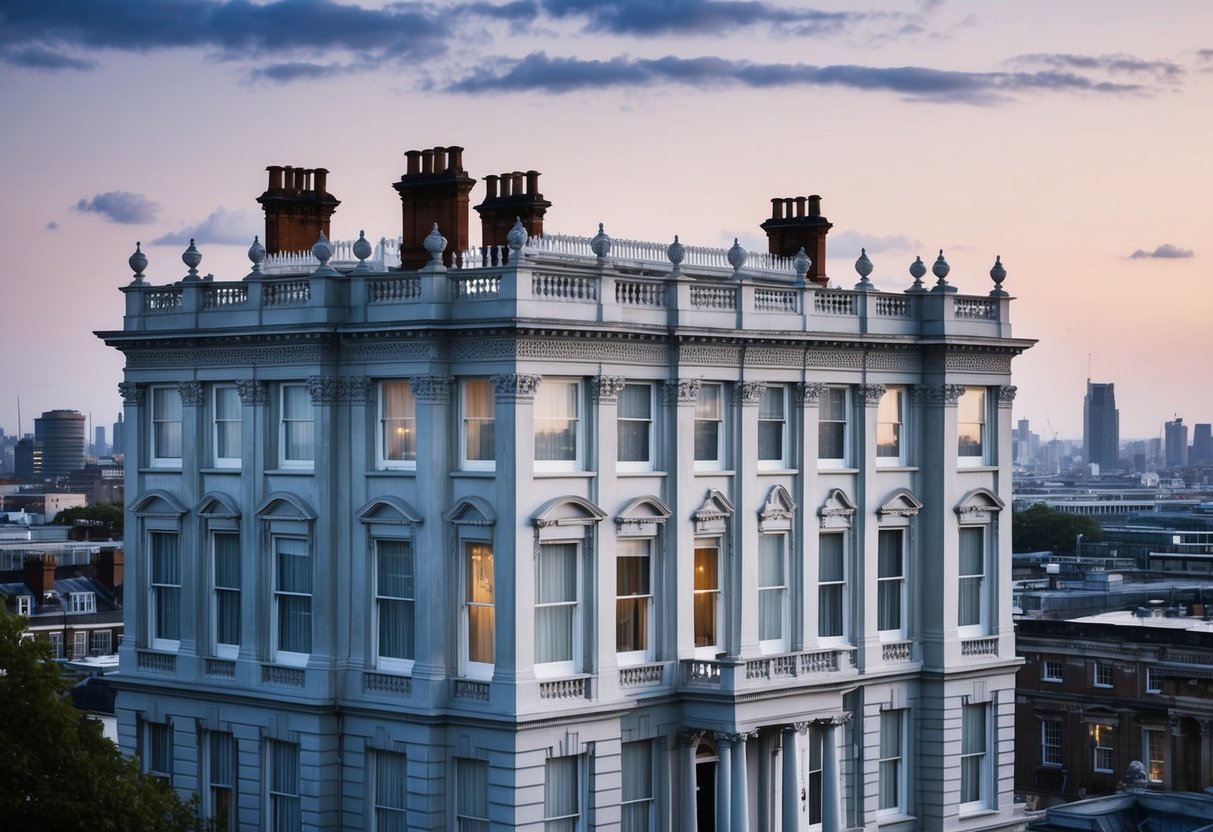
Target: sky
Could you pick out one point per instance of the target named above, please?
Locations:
(1070, 139)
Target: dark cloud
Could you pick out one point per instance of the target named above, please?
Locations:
(121, 207)
(1116, 64)
(222, 227)
(39, 57)
(693, 17)
(1164, 252)
(52, 226)
(538, 71)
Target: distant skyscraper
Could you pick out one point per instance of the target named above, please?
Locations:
(27, 459)
(61, 433)
(1202, 443)
(1101, 426)
(1175, 439)
(99, 440)
(117, 434)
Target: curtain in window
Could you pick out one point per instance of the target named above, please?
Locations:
(390, 792)
(394, 585)
(399, 421)
(832, 423)
(480, 602)
(472, 795)
(166, 585)
(560, 793)
(299, 437)
(637, 796)
(889, 580)
(831, 575)
(556, 602)
(227, 588)
(294, 595)
(221, 748)
(888, 424)
(771, 586)
(972, 751)
(284, 787)
(479, 409)
(972, 567)
(890, 759)
(635, 422)
(632, 586)
(770, 424)
(556, 421)
(707, 423)
(160, 748)
(166, 414)
(227, 423)
(707, 595)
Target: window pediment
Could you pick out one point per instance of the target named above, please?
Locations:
(712, 514)
(389, 510)
(837, 511)
(978, 505)
(642, 516)
(777, 512)
(283, 506)
(157, 503)
(901, 503)
(471, 511)
(567, 511)
(217, 506)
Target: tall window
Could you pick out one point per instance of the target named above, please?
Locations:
(707, 596)
(226, 426)
(1154, 750)
(394, 599)
(101, 642)
(285, 815)
(1050, 742)
(1102, 740)
(634, 600)
(889, 416)
(25, 605)
(890, 584)
(637, 793)
(478, 609)
(391, 791)
(772, 593)
(297, 434)
(165, 552)
(561, 795)
(79, 644)
(974, 756)
(831, 587)
(471, 795)
(397, 425)
(479, 418)
(293, 599)
(635, 426)
(159, 750)
(221, 781)
(558, 425)
(56, 640)
(814, 741)
(556, 614)
(971, 599)
(709, 426)
(1105, 675)
(892, 772)
(166, 426)
(1153, 682)
(971, 426)
(226, 552)
(832, 426)
(772, 427)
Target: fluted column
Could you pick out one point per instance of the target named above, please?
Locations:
(724, 781)
(688, 741)
(831, 779)
(741, 790)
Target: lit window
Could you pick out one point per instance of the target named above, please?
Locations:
(971, 616)
(292, 600)
(1155, 752)
(221, 781)
(284, 808)
(892, 772)
(634, 601)
(557, 425)
(890, 584)
(706, 595)
(165, 555)
(890, 448)
(479, 417)
(84, 602)
(971, 426)
(772, 427)
(159, 752)
(772, 593)
(831, 587)
(1050, 742)
(1052, 670)
(974, 756)
(1104, 675)
(1103, 739)
(298, 435)
(561, 795)
(832, 434)
(471, 795)
(166, 426)
(226, 426)
(397, 425)
(478, 610)
(637, 793)
(226, 553)
(709, 426)
(394, 603)
(391, 791)
(635, 425)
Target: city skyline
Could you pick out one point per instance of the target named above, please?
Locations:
(1069, 141)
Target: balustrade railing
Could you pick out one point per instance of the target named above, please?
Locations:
(214, 297)
(892, 306)
(153, 662)
(273, 674)
(564, 688)
(475, 287)
(644, 675)
(979, 309)
(776, 300)
(637, 293)
(896, 651)
(564, 286)
(469, 689)
(387, 683)
(220, 668)
(979, 647)
(714, 297)
(286, 292)
(162, 300)
(834, 302)
(393, 289)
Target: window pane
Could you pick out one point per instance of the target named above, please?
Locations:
(637, 793)
(632, 586)
(971, 569)
(831, 586)
(391, 791)
(889, 579)
(560, 795)
(888, 424)
(556, 421)
(166, 586)
(394, 590)
(771, 586)
(706, 595)
(635, 423)
(227, 587)
(479, 411)
(166, 418)
(294, 594)
(298, 435)
(556, 603)
(479, 589)
(707, 423)
(970, 427)
(398, 421)
(227, 423)
(472, 794)
(890, 759)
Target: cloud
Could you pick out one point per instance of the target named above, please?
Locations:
(121, 207)
(52, 226)
(39, 57)
(845, 242)
(538, 71)
(1113, 64)
(1164, 252)
(694, 17)
(222, 227)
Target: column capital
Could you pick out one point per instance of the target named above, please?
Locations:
(515, 387)
(682, 392)
(434, 389)
(748, 393)
(689, 737)
(1005, 394)
(131, 392)
(810, 392)
(605, 389)
(937, 394)
(871, 393)
(192, 393)
(251, 392)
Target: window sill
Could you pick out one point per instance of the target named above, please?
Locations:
(646, 473)
(567, 475)
(224, 470)
(471, 474)
(392, 472)
(714, 472)
(898, 469)
(160, 469)
(292, 472)
(976, 813)
(841, 469)
(979, 467)
(893, 817)
(777, 472)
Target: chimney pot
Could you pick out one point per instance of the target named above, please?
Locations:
(439, 160)
(532, 183)
(455, 157)
(507, 184)
(427, 161)
(490, 187)
(777, 208)
(799, 206)
(322, 181)
(815, 205)
(414, 162)
(275, 177)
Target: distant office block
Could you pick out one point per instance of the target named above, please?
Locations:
(27, 460)
(1175, 439)
(1202, 443)
(117, 433)
(1101, 426)
(61, 433)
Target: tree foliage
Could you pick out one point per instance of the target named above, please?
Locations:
(57, 771)
(1041, 529)
(109, 515)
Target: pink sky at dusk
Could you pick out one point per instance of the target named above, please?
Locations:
(1065, 137)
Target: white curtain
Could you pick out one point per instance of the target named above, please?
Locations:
(637, 796)
(707, 423)
(284, 787)
(294, 595)
(560, 795)
(394, 590)
(832, 423)
(556, 421)
(771, 586)
(227, 423)
(391, 792)
(890, 759)
(399, 421)
(166, 414)
(889, 579)
(831, 576)
(635, 422)
(472, 795)
(479, 409)
(221, 749)
(972, 568)
(770, 424)
(166, 585)
(555, 602)
(972, 751)
(227, 588)
(479, 585)
(299, 436)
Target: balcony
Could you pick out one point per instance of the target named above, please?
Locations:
(799, 669)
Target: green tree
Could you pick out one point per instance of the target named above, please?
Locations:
(109, 515)
(57, 771)
(1040, 529)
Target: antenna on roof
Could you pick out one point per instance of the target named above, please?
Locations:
(20, 435)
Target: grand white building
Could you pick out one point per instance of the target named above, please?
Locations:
(569, 534)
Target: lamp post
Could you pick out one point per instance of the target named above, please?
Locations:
(1078, 545)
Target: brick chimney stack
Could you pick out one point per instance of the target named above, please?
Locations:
(506, 200)
(298, 208)
(433, 189)
(38, 573)
(790, 228)
(109, 567)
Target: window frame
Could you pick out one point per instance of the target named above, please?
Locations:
(901, 632)
(560, 823)
(223, 649)
(644, 803)
(1103, 747)
(467, 463)
(291, 658)
(645, 601)
(83, 602)
(980, 711)
(165, 588)
(717, 421)
(893, 398)
(277, 794)
(780, 462)
(100, 643)
(706, 650)
(782, 591)
(286, 420)
(470, 668)
(570, 666)
(79, 644)
(827, 400)
(982, 580)
(157, 418)
(379, 761)
(218, 423)
(897, 762)
(649, 463)
(1047, 666)
(464, 821)
(1103, 674)
(394, 664)
(385, 460)
(841, 638)
(966, 459)
(25, 605)
(1051, 736)
(158, 742)
(1152, 686)
(1149, 734)
(213, 783)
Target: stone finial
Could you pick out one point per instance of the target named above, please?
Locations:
(516, 237)
(601, 244)
(737, 256)
(138, 262)
(322, 250)
(917, 270)
(362, 250)
(434, 244)
(940, 269)
(676, 252)
(256, 255)
(998, 274)
(191, 257)
(863, 267)
(801, 263)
